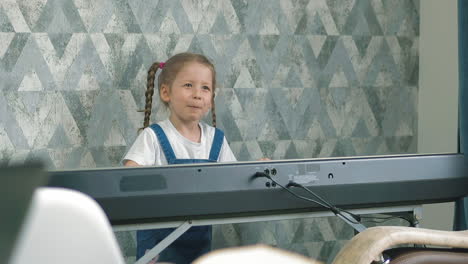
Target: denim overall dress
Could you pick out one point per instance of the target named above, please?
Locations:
(197, 240)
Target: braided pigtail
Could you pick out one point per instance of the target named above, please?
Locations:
(213, 113)
(149, 93)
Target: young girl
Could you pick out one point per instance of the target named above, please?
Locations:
(186, 86)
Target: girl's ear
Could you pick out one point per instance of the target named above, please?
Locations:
(164, 93)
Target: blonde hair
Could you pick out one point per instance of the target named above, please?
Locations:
(169, 71)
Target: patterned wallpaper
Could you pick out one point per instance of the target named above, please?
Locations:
(297, 79)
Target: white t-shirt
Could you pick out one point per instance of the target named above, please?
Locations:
(147, 151)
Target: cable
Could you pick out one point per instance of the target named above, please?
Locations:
(337, 211)
(322, 202)
(356, 219)
(291, 192)
(331, 207)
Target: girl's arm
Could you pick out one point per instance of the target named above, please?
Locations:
(142, 152)
(131, 163)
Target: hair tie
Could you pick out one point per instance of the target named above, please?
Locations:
(161, 65)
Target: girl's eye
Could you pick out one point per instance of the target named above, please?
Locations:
(206, 88)
(188, 85)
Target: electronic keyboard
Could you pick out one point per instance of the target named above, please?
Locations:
(211, 190)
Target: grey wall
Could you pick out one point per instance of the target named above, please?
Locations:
(438, 93)
(317, 78)
(297, 79)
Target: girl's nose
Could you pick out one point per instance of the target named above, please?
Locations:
(196, 93)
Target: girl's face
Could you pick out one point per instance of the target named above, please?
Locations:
(189, 97)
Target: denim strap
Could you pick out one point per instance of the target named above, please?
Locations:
(216, 145)
(165, 145)
(169, 152)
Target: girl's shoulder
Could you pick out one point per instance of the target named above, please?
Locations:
(209, 131)
(148, 133)
(208, 128)
(165, 125)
